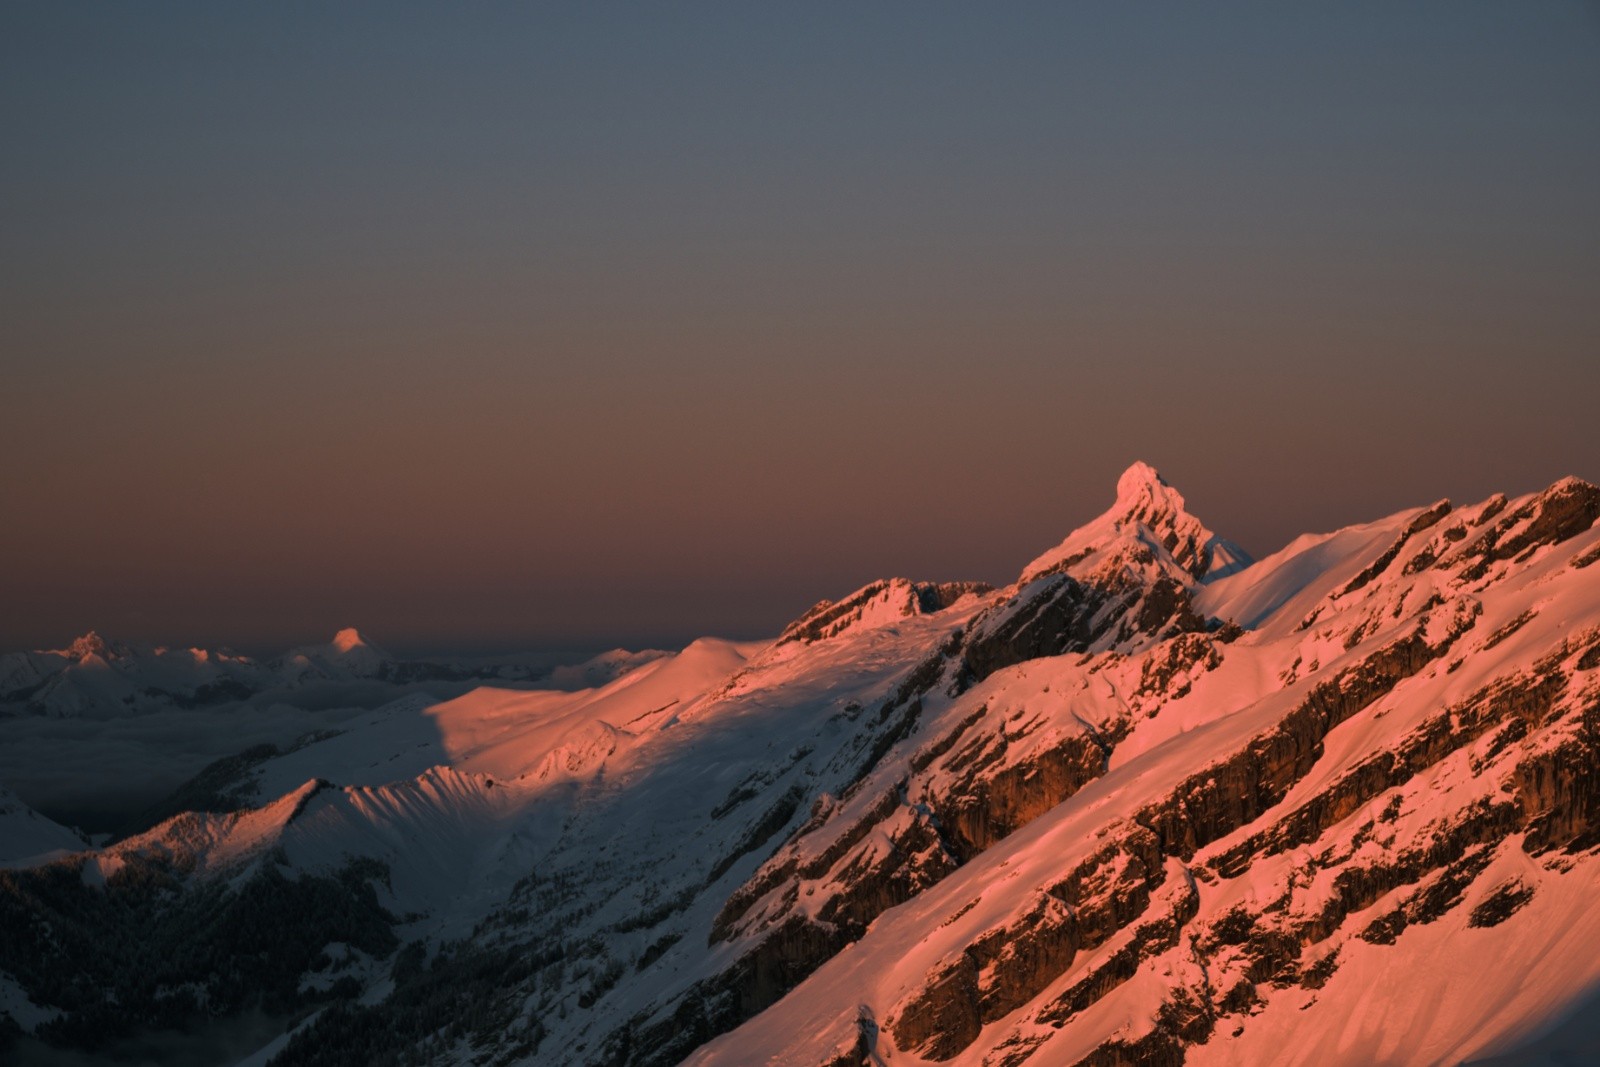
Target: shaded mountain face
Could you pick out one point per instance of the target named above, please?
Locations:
(25, 834)
(1147, 804)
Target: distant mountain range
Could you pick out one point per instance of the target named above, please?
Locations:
(95, 678)
(1151, 803)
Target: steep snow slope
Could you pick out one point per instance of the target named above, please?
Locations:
(1140, 806)
(1365, 836)
(26, 836)
(587, 812)
(693, 796)
(434, 790)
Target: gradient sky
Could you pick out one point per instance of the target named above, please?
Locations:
(569, 325)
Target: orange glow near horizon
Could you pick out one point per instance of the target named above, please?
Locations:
(733, 315)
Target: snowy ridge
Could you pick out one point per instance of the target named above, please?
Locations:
(1138, 806)
(877, 604)
(1302, 902)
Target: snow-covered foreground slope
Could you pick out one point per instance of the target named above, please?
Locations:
(26, 836)
(1145, 805)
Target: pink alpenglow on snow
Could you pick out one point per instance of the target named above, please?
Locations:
(1150, 802)
(624, 538)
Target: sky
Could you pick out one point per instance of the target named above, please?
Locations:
(505, 325)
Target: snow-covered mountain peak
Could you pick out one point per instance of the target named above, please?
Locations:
(349, 640)
(1141, 486)
(90, 645)
(349, 653)
(1572, 482)
(1150, 511)
(100, 679)
(1118, 813)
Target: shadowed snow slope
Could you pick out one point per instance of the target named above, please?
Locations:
(114, 737)
(1340, 806)
(26, 836)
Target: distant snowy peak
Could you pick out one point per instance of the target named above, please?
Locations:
(97, 678)
(1148, 511)
(348, 640)
(1117, 813)
(348, 655)
(350, 650)
(349, 644)
(90, 646)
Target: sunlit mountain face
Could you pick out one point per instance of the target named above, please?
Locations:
(584, 535)
(1151, 802)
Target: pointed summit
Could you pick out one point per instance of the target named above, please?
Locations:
(348, 655)
(348, 640)
(1142, 494)
(350, 652)
(90, 644)
(1147, 509)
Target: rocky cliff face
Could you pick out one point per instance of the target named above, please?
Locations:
(1148, 511)
(1166, 839)
(1141, 806)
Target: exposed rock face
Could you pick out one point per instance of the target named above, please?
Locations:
(1147, 509)
(974, 809)
(876, 604)
(981, 777)
(1050, 617)
(1123, 811)
(1347, 845)
(1144, 497)
(1378, 566)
